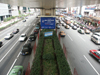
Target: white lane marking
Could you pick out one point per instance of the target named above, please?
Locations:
(81, 38)
(91, 65)
(26, 30)
(4, 44)
(70, 37)
(11, 66)
(27, 38)
(18, 54)
(7, 52)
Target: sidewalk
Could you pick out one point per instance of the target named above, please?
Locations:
(3, 24)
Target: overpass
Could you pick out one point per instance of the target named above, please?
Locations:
(50, 5)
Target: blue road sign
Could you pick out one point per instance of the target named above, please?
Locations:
(48, 22)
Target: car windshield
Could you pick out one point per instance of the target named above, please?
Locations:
(22, 35)
(25, 47)
(31, 36)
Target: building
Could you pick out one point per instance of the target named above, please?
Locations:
(97, 10)
(14, 11)
(5, 11)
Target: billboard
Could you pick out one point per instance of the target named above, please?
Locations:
(90, 8)
(46, 34)
(48, 22)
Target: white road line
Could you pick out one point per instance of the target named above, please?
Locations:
(7, 52)
(11, 66)
(4, 44)
(18, 54)
(26, 30)
(81, 38)
(70, 37)
(91, 65)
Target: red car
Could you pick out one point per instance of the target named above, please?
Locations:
(96, 54)
(36, 31)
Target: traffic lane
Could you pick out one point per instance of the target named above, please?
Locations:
(86, 45)
(19, 25)
(3, 50)
(14, 55)
(76, 59)
(76, 48)
(11, 57)
(21, 31)
(84, 37)
(24, 60)
(7, 62)
(8, 29)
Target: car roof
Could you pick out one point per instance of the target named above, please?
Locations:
(62, 31)
(98, 37)
(15, 70)
(27, 44)
(23, 34)
(98, 52)
(97, 33)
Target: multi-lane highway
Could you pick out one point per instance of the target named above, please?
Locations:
(10, 51)
(77, 47)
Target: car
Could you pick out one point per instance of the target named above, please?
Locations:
(81, 27)
(37, 27)
(71, 25)
(26, 49)
(15, 31)
(8, 36)
(74, 27)
(96, 54)
(98, 34)
(23, 37)
(67, 27)
(24, 20)
(32, 37)
(95, 39)
(1, 43)
(62, 33)
(68, 22)
(17, 70)
(87, 31)
(36, 31)
(58, 26)
(81, 31)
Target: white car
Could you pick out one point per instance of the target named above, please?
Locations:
(23, 37)
(8, 36)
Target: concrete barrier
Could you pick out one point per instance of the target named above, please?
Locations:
(28, 70)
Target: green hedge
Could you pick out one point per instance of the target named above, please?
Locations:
(63, 65)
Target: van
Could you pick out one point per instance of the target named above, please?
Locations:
(95, 39)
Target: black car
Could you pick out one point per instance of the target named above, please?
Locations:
(26, 49)
(15, 31)
(32, 37)
(1, 43)
(24, 20)
(74, 27)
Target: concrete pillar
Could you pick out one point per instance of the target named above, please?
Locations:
(80, 7)
(47, 12)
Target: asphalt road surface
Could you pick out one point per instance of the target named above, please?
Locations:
(10, 51)
(77, 47)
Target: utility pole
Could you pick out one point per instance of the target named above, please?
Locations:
(80, 6)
